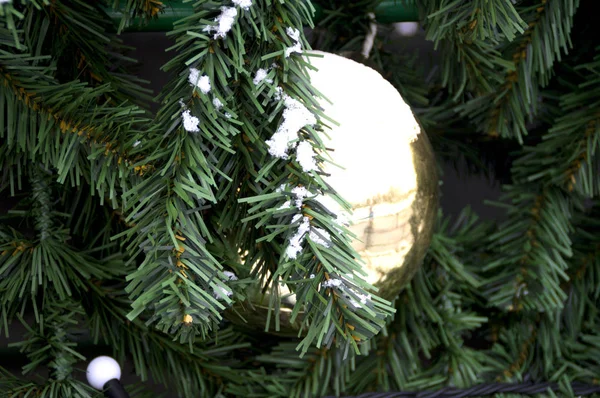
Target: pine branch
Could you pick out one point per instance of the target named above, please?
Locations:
(553, 247)
(566, 157)
(209, 137)
(106, 308)
(53, 388)
(428, 337)
(547, 242)
(75, 128)
(316, 373)
(65, 128)
(179, 281)
(533, 247)
(472, 21)
(533, 54)
(176, 267)
(469, 62)
(208, 367)
(329, 310)
(50, 343)
(580, 317)
(12, 17)
(47, 262)
(41, 257)
(500, 95)
(419, 350)
(78, 35)
(144, 10)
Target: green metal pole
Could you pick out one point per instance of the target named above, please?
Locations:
(388, 11)
(391, 11)
(173, 11)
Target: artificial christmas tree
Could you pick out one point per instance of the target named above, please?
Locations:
(122, 227)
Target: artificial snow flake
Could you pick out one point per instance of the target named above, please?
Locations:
(342, 216)
(193, 77)
(190, 123)
(217, 103)
(305, 155)
(295, 245)
(295, 116)
(230, 275)
(292, 251)
(223, 290)
(286, 205)
(317, 235)
(343, 219)
(245, 4)
(333, 283)
(300, 193)
(278, 93)
(320, 237)
(280, 142)
(312, 276)
(296, 48)
(296, 217)
(363, 300)
(281, 188)
(202, 82)
(261, 75)
(295, 35)
(225, 22)
(228, 115)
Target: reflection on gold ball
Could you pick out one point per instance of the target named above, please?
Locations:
(388, 175)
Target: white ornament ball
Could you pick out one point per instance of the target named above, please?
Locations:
(388, 169)
(383, 165)
(101, 370)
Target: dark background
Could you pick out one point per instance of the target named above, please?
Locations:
(458, 188)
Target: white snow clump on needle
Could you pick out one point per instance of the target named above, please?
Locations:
(224, 21)
(295, 245)
(202, 82)
(294, 34)
(245, 4)
(230, 275)
(295, 116)
(305, 155)
(190, 123)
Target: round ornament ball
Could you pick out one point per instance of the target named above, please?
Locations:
(387, 173)
(101, 370)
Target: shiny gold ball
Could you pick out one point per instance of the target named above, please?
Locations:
(388, 175)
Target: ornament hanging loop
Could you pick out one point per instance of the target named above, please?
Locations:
(370, 37)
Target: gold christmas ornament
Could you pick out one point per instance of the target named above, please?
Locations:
(389, 177)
